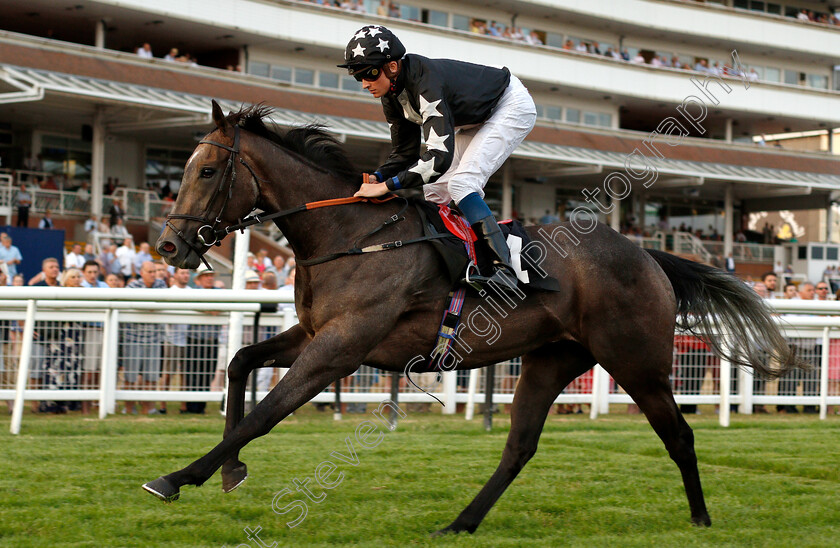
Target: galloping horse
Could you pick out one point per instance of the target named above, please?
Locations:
(618, 305)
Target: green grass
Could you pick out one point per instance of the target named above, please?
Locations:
(769, 481)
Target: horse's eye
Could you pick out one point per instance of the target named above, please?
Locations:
(207, 172)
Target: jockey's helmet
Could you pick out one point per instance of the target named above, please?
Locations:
(370, 48)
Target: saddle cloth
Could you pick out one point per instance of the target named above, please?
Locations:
(461, 252)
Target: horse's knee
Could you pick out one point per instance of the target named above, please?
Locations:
(681, 449)
(239, 365)
(515, 457)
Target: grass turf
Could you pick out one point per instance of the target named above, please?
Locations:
(768, 480)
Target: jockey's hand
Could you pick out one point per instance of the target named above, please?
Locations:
(372, 190)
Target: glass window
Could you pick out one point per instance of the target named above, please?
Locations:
(818, 81)
(791, 77)
(257, 68)
(604, 119)
(772, 74)
(554, 113)
(437, 18)
(554, 40)
(304, 77)
(743, 4)
(802, 252)
(817, 252)
(284, 74)
(328, 80)
(540, 111)
(831, 253)
(573, 115)
(460, 22)
(348, 83)
(165, 167)
(590, 118)
(756, 5)
(774, 8)
(410, 13)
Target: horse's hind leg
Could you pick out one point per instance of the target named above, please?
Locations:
(545, 373)
(652, 393)
(278, 351)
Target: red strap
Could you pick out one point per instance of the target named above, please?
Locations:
(350, 200)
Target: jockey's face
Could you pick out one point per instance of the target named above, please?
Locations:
(378, 87)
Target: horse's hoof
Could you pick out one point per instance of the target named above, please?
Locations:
(701, 521)
(162, 489)
(234, 478)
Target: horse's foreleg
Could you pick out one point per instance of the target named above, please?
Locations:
(331, 355)
(278, 351)
(545, 372)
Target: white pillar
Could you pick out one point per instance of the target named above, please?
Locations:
(23, 366)
(829, 221)
(507, 191)
(99, 40)
(615, 216)
(240, 259)
(826, 340)
(727, 221)
(449, 389)
(473, 385)
(728, 130)
(97, 168)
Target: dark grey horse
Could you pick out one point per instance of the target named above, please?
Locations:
(618, 305)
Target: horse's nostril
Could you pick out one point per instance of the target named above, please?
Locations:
(168, 247)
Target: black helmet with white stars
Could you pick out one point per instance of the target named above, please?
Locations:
(371, 46)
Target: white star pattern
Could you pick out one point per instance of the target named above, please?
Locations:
(426, 169)
(360, 35)
(435, 142)
(358, 51)
(373, 31)
(383, 45)
(428, 110)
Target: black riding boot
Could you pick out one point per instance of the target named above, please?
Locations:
(503, 273)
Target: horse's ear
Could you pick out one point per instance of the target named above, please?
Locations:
(219, 116)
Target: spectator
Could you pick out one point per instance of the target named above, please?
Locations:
(809, 350)
(822, 291)
(269, 280)
(143, 345)
(10, 255)
(23, 201)
(803, 15)
(638, 59)
(91, 224)
(88, 255)
(548, 218)
(118, 231)
(625, 55)
(75, 259)
(116, 212)
(394, 10)
(125, 255)
(262, 261)
(93, 336)
(108, 260)
(162, 273)
(789, 291)
(46, 223)
(278, 266)
(48, 275)
(145, 51)
(62, 366)
(172, 55)
(382, 9)
(770, 281)
(534, 39)
(252, 281)
(82, 197)
(175, 344)
(114, 281)
(202, 348)
(90, 275)
(730, 264)
(143, 256)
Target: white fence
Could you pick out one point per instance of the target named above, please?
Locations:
(110, 345)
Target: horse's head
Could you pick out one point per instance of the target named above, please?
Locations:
(217, 190)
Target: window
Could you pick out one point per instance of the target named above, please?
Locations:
(772, 74)
(258, 69)
(410, 13)
(304, 77)
(436, 18)
(742, 4)
(775, 9)
(831, 253)
(328, 80)
(573, 115)
(818, 81)
(284, 74)
(757, 5)
(348, 83)
(554, 40)
(817, 252)
(540, 111)
(604, 119)
(554, 113)
(460, 22)
(802, 253)
(792, 77)
(590, 118)
(66, 157)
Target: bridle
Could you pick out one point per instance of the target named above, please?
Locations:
(213, 237)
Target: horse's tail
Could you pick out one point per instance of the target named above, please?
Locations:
(710, 300)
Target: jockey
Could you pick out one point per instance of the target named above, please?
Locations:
(472, 118)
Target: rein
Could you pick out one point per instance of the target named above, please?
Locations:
(216, 235)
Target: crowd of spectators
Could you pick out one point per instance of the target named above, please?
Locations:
(66, 354)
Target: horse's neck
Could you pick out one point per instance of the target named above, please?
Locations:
(292, 182)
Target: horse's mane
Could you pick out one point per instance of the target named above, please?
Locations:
(310, 141)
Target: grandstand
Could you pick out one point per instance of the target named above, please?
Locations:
(78, 104)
